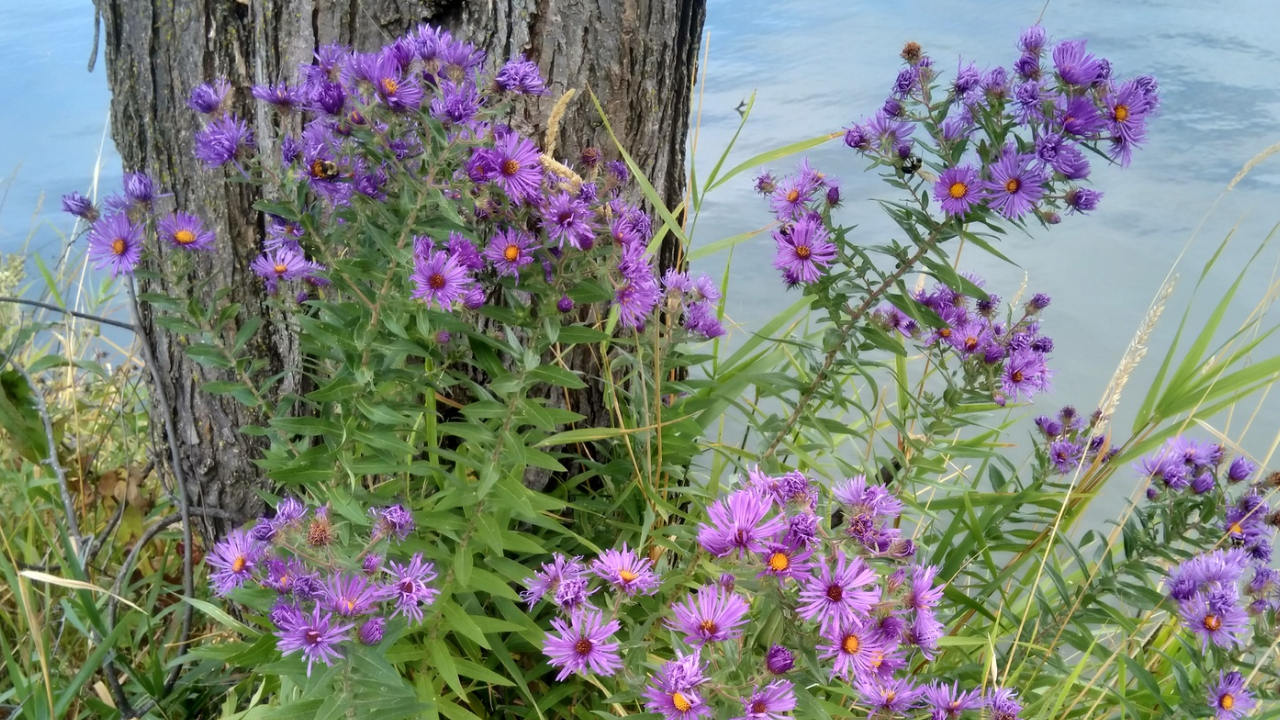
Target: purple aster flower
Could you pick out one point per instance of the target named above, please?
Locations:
(1003, 704)
(210, 98)
(803, 249)
(1203, 483)
(1209, 572)
(972, 337)
(115, 244)
(1025, 373)
(947, 702)
(779, 660)
(1079, 116)
(892, 697)
(517, 168)
(396, 90)
(185, 231)
(907, 81)
(349, 594)
(1082, 199)
(393, 520)
(617, 169)
(583, 645)
(855, 646)
(80, 206)
(465, 252)
(738, 524)
(1126, 113)
(1217, 618)
(408, 587)
(889, 133)
(1240, 469)
(548, 579)
(370, 633)
(138, 189)
(520, 76)
(860, 497)
(1065, 455)
(1074, 65)
(626, 571)
(802, 530)
(372, 564)
(564, 304)
(714, 615)
(1031, 98)
(316, 634)
(1015, 185)
(284, 576)
(509, 250)
(565, 217)
(328, 98)
(223, 140)
(786, 561)
(636, 297)
(281, 96)
(789, 199)
(672, 691)
(959, 188)
(766, 183)
(967, 80)
(1229, 698)
(1032, 40)
(281, 264)
(439, 278)
(700, 318)
(770, 702)
(233, 560)
(921, 593)
(856, 138)
(832, 597)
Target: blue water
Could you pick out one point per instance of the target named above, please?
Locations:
(816, 66)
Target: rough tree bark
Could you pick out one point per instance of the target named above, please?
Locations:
(636, 55)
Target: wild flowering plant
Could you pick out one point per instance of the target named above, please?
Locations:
(437, 268)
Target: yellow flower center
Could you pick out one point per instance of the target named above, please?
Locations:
(118, 246)
(944, 332)
(1012, 185)
(510, 167)
(709, 627)
(1212, 622)
(779, 562)
(627, 576)
(390, 86)
(436, 281)
(681, 702)
(1121, 113)
(957, 190)
(281, 268)
(970, 343)
(851, 644)
(1227, 701)
(238, 564)
(793, 196)
(511, 254)
(184, 237)
(351, 606)
(803, 252)
(1017, 376)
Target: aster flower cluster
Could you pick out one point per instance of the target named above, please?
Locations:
(583, 642)
(1010, 141)
(416, 122)
(120, 229)
(841, 573)
(801, 204)
(325, 598)
(1069, 439)
(1007, 353)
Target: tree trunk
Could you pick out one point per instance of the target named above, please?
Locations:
(637, 56)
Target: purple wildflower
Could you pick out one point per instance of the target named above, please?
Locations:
(517, 169)
(233, 560)
(833, 598)
(947, 702)
(803, 249)
(226, 139)
(1025, 373)
(370, 633)
(1015, 185)
(1229, 698)
(440, 278)
(80, 206)
(1065, 455)
(959, 188)
(583, 645)
(185, 231)
(565, 217)
(316, 635)
(393, 520)
(1217, 618)
(714, 615)
(281, 96)
(626, 571)
(509, 250)
(1074, 65)
(889, 696)
(349, 594)
(855, 646)
(770, 702)
(520, 76)
(1240, 469)
(548, 579)
(671, 692)
(210, 98)
(737, 523)
(408, 587)
(779, 660)
(115, 244)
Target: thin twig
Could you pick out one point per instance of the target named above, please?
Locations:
(854, 317)
(179, 479)
(73, 313)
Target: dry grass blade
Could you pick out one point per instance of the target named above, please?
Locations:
(1137, 348)
(75, 585)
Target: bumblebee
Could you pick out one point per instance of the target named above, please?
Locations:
(324, 169)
